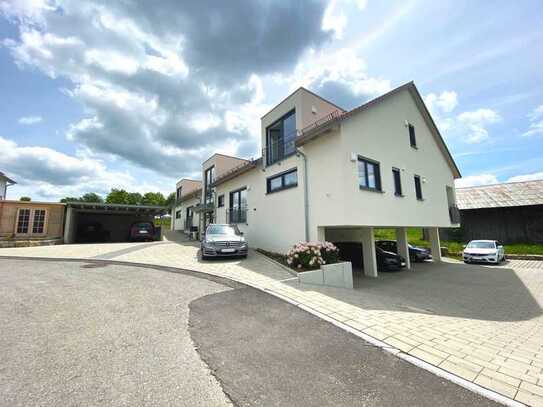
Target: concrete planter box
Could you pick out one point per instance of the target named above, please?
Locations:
(332, 275)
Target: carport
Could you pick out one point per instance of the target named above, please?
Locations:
(114, 220)
(362, 244)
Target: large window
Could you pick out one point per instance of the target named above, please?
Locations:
(287, 179)
(369, 174)
(412, 137)
(418, 188)
(38, 223)
(209, 178)
(397, 181)
(238, 206)
(280, 138)
(23, 220)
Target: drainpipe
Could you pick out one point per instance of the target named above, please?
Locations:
(306, 194)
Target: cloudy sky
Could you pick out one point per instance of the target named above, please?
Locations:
(136, 94)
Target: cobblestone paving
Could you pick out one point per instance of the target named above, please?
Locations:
(482, 323)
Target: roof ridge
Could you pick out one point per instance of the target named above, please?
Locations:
(500, 183)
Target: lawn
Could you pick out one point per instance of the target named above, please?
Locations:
(414, 235)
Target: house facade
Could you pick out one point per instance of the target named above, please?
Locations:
(22, 220)
(329, 174)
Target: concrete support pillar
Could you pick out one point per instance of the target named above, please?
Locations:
(403, 246)
(368, 251)
(68, 226)
(435, 243)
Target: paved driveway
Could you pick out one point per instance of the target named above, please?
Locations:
(483, 324)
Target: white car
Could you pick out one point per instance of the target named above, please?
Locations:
(484, 251)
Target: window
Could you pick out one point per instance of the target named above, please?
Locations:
(23, 219)
(280, 138)
(418, 188)
(178, 193)
(209, 178)
(287, 179)
(238, 206)
(38, 223)
(397, 181)
(369, 174)
(412, 138)
(220, 202)
(178, 214)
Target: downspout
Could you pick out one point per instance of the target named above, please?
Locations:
(306, 194)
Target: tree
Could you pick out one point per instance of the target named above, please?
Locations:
(134, 198)
(117, 196)
(25, 199)
(154, 198)
(70, 199)
(92, 197)
(170, 201)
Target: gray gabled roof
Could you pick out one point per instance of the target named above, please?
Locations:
(500, 195)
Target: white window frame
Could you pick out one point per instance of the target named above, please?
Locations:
(31, 221)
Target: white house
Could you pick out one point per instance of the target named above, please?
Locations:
(329, 174)
(5, 182)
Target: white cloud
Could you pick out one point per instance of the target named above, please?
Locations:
(30, 120)
(527, 177)
(334, 19)
(160, 86)
(536, 122)
(476, 180)
(339, 76)
(475, 124)
(445, 102)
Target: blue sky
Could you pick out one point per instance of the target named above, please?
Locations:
(102, 95)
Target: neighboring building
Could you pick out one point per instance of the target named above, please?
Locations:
(5, 182)
(329, 174)
(188, 195)
(20, 220)
(195, 207)
(510, 212)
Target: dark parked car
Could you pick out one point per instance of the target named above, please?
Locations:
(386, 261)
(223, 240)
(92, 232)
(416, 254)
(142, 231)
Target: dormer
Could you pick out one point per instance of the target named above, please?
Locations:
(281, 125)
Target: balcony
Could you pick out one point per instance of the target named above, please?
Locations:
(236, 215)
(279, 150)
(454, 214)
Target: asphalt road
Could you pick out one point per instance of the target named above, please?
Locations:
(90, 334)
(100, 336)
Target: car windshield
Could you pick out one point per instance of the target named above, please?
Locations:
(481, 245)
(222, 230)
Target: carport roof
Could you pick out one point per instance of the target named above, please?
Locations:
(500, 195)
(117, 207)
